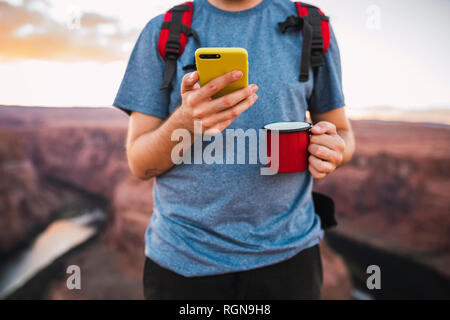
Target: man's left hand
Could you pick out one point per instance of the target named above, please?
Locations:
(326, 149)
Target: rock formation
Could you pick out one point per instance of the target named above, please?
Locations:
(393, 194)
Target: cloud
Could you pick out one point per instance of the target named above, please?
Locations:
(92, 20)
(27, 31)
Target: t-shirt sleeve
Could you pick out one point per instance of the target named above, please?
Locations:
(327, 94)
(140, 87)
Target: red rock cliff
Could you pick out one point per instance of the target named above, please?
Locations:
(393, 194)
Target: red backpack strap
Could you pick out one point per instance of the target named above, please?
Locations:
(316, 36)
(175, 30)
(305, 9)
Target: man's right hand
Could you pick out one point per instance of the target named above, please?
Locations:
(214, 114)
(149, 143)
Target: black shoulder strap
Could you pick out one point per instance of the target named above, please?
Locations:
(309, 20)
(170, 44)
(173, 44)
(313, 43)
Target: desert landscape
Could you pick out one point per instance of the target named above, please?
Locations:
(393, 197)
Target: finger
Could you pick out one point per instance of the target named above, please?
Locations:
(216, 85)
(335, 143)
(320, 165)
(316, 174)
(230, 113)
(324, 127)
(226, 101)
(234, 98)
(189, 82)
(218, 128)
(324, 153)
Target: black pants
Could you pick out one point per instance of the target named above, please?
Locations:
(299, 277)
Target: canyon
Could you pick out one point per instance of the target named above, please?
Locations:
(393, 195)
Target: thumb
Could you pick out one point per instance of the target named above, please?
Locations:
(189, 81)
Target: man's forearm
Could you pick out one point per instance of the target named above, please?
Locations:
(349, 139)
(150, 145)
(150, 154)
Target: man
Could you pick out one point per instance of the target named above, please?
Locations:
(222, 231)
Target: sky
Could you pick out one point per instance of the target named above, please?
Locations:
(74, 52)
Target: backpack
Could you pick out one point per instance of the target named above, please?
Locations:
(176, 29)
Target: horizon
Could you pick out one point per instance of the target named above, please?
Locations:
(425, 116)
(383, 65)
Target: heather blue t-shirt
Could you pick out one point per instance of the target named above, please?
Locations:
(219, 218)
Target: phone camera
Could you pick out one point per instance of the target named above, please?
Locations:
(210, 56)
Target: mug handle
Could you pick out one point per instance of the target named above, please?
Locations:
(309, 138)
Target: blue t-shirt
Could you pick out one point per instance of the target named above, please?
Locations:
(219, 218)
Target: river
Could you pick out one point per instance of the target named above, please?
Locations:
(401, 277)
(25, 274)
(58, 239)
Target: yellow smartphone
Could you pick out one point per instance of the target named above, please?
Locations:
(214, 62)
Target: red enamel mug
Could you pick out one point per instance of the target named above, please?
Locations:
(291, 139)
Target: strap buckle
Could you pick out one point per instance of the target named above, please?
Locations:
(317, 46)
(317, 43)
(172, 50)
(317, 59)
